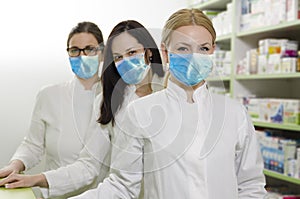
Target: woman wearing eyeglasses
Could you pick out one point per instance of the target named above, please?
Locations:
(64, 127)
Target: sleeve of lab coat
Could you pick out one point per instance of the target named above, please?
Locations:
(249, 163)
(31, 149)
(126, 171)
(92, 166)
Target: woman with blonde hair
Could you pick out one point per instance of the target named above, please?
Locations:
(184, 141)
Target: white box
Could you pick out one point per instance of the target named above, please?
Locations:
(288, 64)
(291, 111)
(262, 64)
(274, 63)
(291, 10)
(271, 110)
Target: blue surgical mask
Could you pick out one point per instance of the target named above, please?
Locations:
(133, 69)
(190, 69)
(84, 66)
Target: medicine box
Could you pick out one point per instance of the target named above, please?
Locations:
(291, 111)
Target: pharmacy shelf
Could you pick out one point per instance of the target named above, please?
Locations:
(214, 79)
(285, 26)
(268, 76)
(224, 38)
(289, 127)
(280, 176)
(211, 5)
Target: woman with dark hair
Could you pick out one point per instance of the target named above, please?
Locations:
(132, 69)
(64, 126)
(132, 62)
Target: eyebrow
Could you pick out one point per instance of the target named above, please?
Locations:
(206, 43)
(127, 50)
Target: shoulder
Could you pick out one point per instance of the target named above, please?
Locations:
(232, 109)
(143, 107)
(55, 90)
(228, 102)
(56, 86)
(156, 97)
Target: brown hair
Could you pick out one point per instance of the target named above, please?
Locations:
(186, 17)
(87, 27)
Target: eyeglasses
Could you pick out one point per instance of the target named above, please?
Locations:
(88, 51)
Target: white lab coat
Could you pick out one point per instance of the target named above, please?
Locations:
(64, 128)
(205, 150)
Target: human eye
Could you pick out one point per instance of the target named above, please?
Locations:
(182, 49)
(118, 58)
(73, 51)
(131, 53)
(204, 49)
(90, 50)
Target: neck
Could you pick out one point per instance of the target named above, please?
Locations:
(143, 90)
(188, 89)
(88, 83)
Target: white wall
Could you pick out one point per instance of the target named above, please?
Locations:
(32, 49)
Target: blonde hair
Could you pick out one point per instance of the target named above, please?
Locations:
(187, 17)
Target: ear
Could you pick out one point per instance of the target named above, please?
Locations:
(164, 52)
(148, 56)
(213, 48)
(149, 53)
(100, 55)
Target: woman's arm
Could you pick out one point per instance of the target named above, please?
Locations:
(249, 163)
(126, 173)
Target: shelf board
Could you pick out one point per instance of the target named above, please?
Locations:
(268, 76)
(215, 79)
(280, 176)
(223, 38)
(289, 127)
(281, 26)
(211, 5)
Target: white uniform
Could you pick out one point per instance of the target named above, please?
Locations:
(64, 128)
(205, 150)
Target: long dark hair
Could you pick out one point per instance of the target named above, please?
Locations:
(112, 83)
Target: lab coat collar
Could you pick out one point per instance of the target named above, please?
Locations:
(176, 91)
(96, 88)
(213, 107)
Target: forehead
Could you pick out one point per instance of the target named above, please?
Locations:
(83, 39)
(123, 42)
(191, 34)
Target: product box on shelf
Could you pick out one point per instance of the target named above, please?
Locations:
(224, 17)
(292, 10)
(288, 65)
(279, 154)
(258, 13)
(271, 110)
(262, 61)
(253, 108)
(289, 149)
(274, 63)
(275, 11)
(291, 111)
